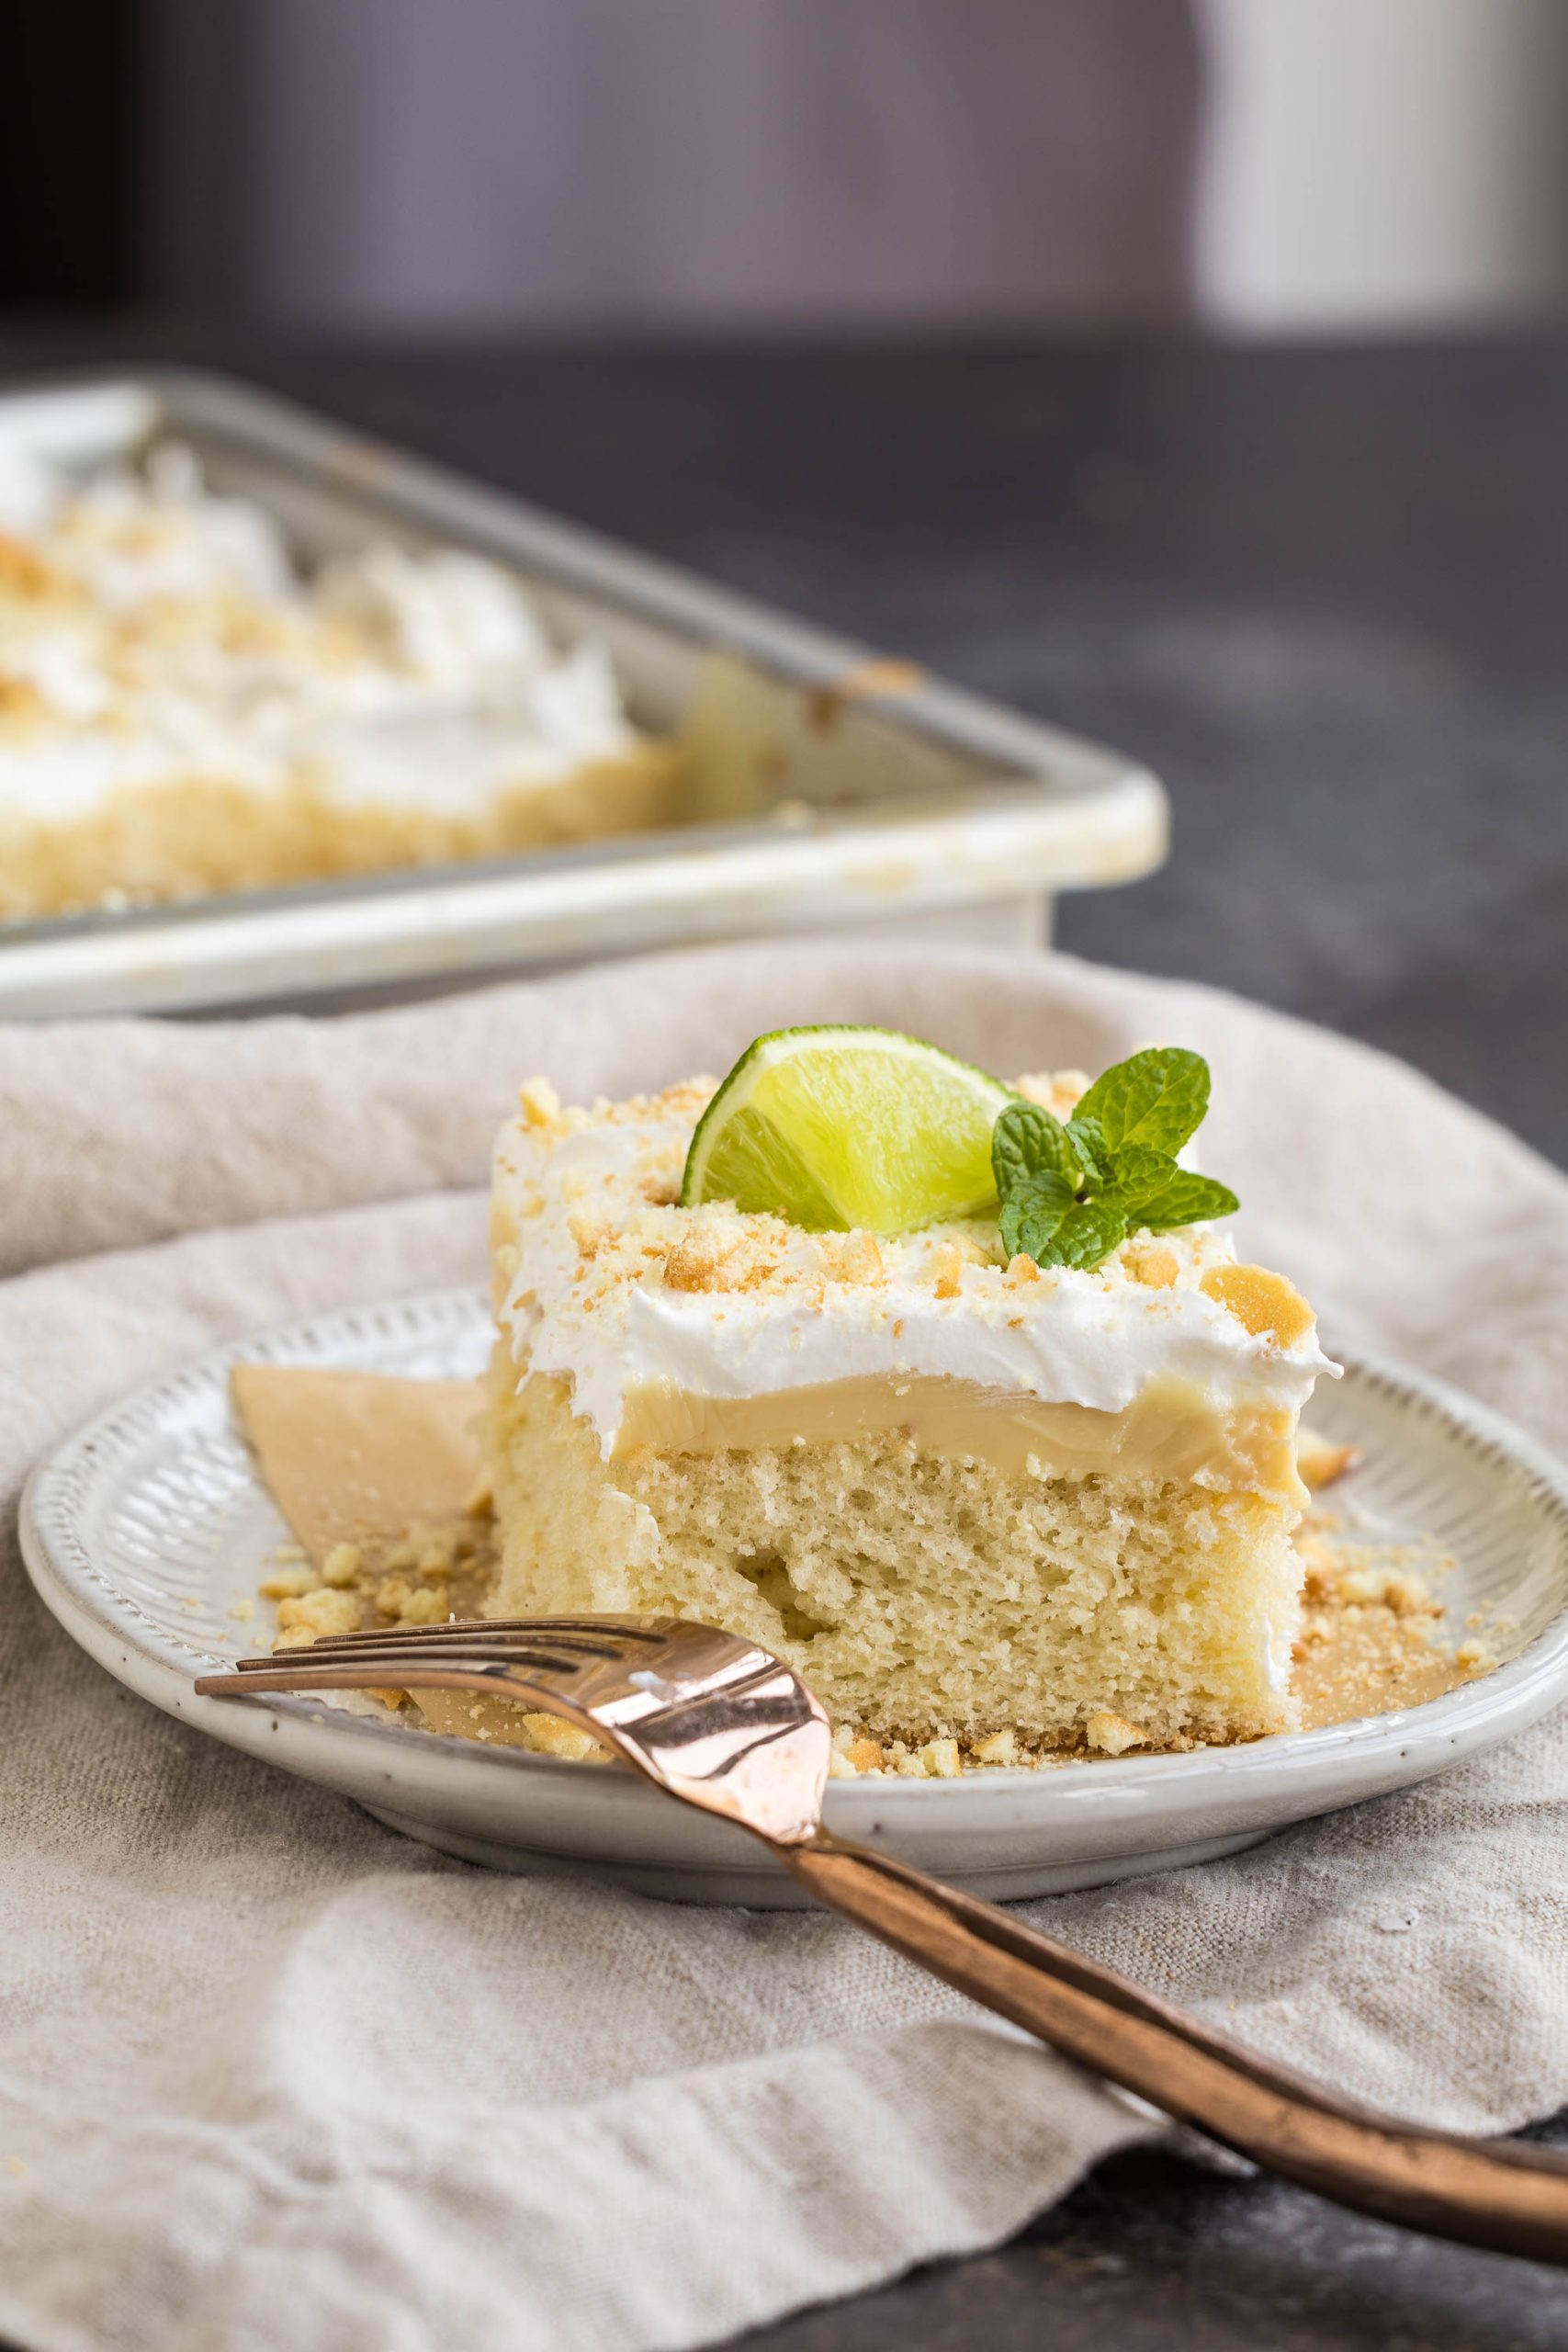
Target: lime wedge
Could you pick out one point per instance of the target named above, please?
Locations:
(841, 1128)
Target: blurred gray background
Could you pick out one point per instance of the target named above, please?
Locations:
(488, 165)
(1188, 373)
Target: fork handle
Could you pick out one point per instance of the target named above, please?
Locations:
(1481, 2193)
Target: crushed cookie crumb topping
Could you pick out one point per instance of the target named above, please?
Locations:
(602, 1276)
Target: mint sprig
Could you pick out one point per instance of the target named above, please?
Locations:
(1070, 1194)
(1156, 1098)
(1093, 1153)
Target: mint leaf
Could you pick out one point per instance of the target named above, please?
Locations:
(1156, 1098)
(1086, 1235)
(1139, 1174)
(1088, 1139)
(1032, 1215)
(1027, 1142)
(1187, 1200)
(1069, 1196)
(1037, 1177)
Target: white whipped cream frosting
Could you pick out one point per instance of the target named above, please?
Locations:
(166, 633)
(589, 1293)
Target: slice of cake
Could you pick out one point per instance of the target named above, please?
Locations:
(183, 709)
(965, 1486)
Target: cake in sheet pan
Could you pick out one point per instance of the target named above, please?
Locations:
(184, 710)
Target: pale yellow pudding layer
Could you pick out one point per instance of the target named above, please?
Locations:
(184, 839)
(920, 1591)
(1168, 1432)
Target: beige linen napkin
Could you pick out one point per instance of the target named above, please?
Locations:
(270, 2073)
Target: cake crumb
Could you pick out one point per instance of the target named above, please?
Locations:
(1320, 1463)
(855, 1258)
(322, 1611)
(540, 1104)
(948, 1267)
(1266, 1303)
(1112, 1734)
(853, 1753)
(342, 1565)
(551, 1736)
(1001, 1748)
(288, 1584)
(1059, 1091)
(691, 1266)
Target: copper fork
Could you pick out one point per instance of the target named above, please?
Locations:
(723, 1725)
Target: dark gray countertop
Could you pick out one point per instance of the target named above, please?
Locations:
(1323, 594)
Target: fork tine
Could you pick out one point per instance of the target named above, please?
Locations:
(556, 1651)
(607, 1639)
(455, 1629)
(393, 1658)
(639, 1629)
(356, 1653)
(507, 1678)
(473, 1629)
(615, 1636)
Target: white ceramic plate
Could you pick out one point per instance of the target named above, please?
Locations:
(143, 1529)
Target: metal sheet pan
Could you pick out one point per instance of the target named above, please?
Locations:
(823, 795)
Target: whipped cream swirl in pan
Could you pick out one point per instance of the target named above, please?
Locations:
(152, 631)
